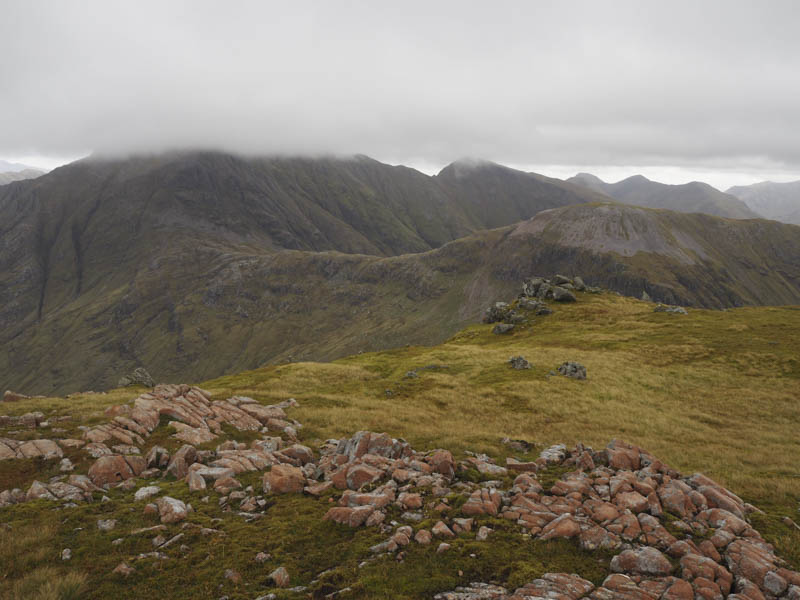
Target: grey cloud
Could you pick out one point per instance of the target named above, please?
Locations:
(684, 83)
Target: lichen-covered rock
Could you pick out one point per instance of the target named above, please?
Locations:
(519, 363)
(171, 510)
(561, 294)
(284, 479)
(113, 469)
(674, 310)
(572, 370)
(503, 328)
(641, 561)
(139, 376)
(280, 577)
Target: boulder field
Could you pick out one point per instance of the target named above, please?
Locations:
(673, 536)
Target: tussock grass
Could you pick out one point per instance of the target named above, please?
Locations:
(714, 391)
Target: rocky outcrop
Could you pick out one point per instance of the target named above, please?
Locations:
(44, 449)
(9, 396)
(673, 536)
(673, 310)
(531, 302)
(139, 376)
(558, 288)
(519, 363)
(29, 420)
(192, 413)
(115, 468)
(572, 370)
(502, 328)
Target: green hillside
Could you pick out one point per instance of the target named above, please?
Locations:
(685, 388)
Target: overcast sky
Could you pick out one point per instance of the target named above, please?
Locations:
(676, 90)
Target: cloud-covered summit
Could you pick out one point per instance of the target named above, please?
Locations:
(711, 85)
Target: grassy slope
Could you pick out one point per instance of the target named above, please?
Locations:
(713, 391)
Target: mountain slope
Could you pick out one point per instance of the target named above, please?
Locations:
(195, 306)
(689, 197)
(648, 383)
(779, 201)
(495, 195)
(11, 176)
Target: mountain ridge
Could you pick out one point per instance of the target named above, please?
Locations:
(154, 261)
(694, 196)
(779, 201)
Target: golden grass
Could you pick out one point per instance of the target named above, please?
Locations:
(713, 391)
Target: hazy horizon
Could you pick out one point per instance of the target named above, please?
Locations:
(609, 174)
(678, 92)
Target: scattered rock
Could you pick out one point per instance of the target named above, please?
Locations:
(573, 370)
(675, 310)
(233, 576)
(171, 510)
(195, 481)
(123, 569)
(519, 362)
(442, 530)
(496, 313)
(106, 524)
(561, 294)
(502, 328)
(10, 396)
(518, 445)
(283, 479)
(139, 376)
(280, 577)
(146, 492)
(423, 537)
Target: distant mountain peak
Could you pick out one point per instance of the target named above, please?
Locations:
(687, 197)
(583, 176)
(778, 201)
(638, 178)
(462, 166)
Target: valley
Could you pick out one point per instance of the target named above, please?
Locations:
(151, 262)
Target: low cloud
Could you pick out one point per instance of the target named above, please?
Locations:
(704, 86)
